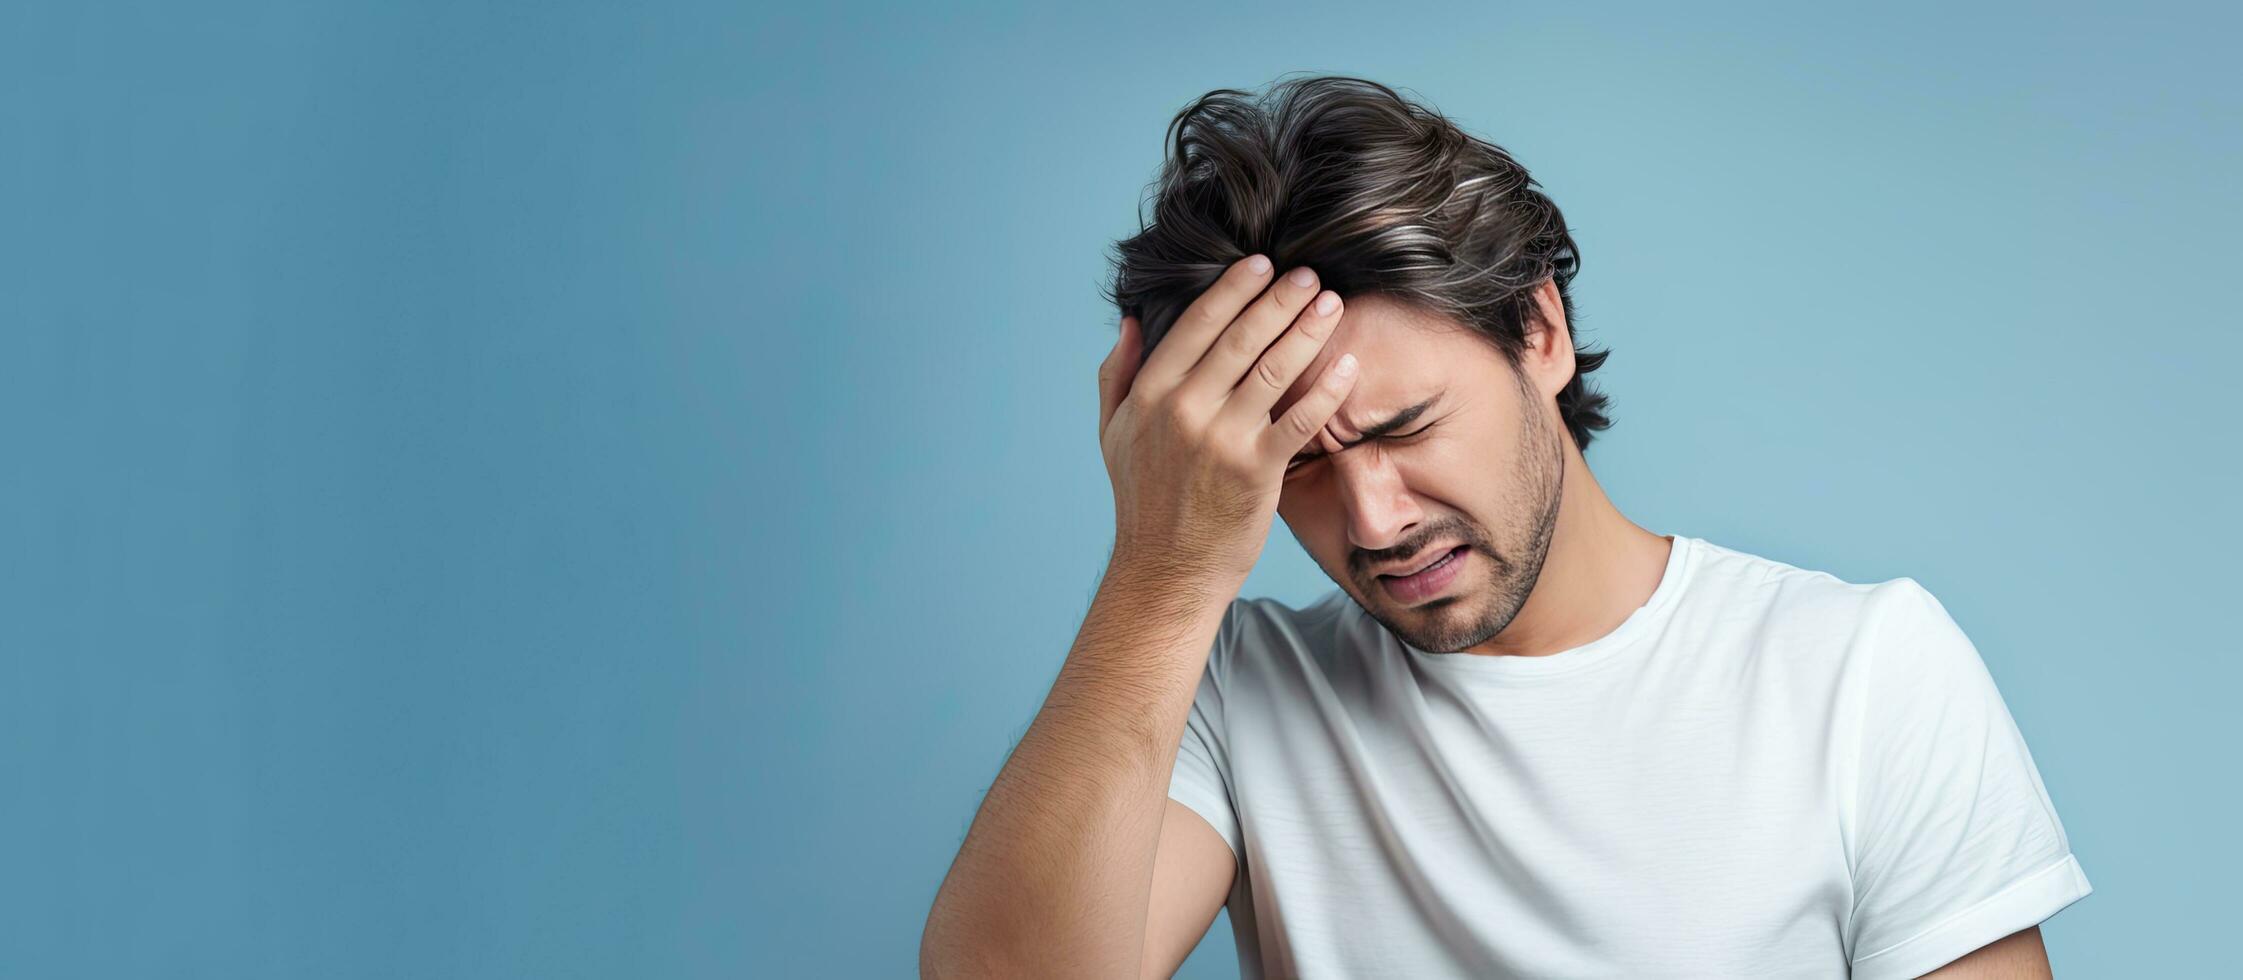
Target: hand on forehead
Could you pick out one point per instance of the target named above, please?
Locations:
(1349, 331)
(1396, 357)
(1405, 368)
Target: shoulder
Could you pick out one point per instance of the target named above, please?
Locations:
(1259, 632)
(1802, 605)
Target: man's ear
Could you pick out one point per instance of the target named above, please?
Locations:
(1549, 338)
(1551, 320)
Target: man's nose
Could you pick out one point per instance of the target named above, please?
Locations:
(1380, 509)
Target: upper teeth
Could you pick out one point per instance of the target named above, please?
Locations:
(1429, 566)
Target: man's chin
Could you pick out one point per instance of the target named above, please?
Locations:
(1425, 625)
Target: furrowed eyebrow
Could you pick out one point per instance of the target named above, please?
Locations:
(1400, 419)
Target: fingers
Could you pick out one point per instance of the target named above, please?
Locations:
(1201, 322)
(1234, 353)
(1301, 422)
(1279, 367)
(1117, 371)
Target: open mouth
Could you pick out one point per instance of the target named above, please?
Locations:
(1428, 581)
(1443, 558)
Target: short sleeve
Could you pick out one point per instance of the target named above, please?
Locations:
(1201, 779)
(1956, 841)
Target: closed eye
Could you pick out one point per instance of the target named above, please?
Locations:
(1307, 458)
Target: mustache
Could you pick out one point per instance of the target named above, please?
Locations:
(1365, 560)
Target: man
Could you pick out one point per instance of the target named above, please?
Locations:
(1525, 737)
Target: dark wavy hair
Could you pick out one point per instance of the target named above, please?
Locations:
(1375, 192)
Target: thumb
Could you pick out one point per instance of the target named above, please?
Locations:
(1117, 371)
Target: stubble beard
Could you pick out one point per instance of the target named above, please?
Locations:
(1540, 479)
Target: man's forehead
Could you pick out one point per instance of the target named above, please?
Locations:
(1399, 355)
(1386, 381)
(1378, 394)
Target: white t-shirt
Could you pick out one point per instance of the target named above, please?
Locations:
(1764, 771)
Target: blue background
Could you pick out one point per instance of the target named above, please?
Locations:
(565, 490)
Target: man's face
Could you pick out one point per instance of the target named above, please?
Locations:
(1482, 468)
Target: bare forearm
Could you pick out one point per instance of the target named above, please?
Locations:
(1054, 874)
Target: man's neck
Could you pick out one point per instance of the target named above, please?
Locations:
(1601, 567)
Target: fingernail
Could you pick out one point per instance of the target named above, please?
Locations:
(1328, 302)
(1345, 367)
(1258, 264)
(1302, 277)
